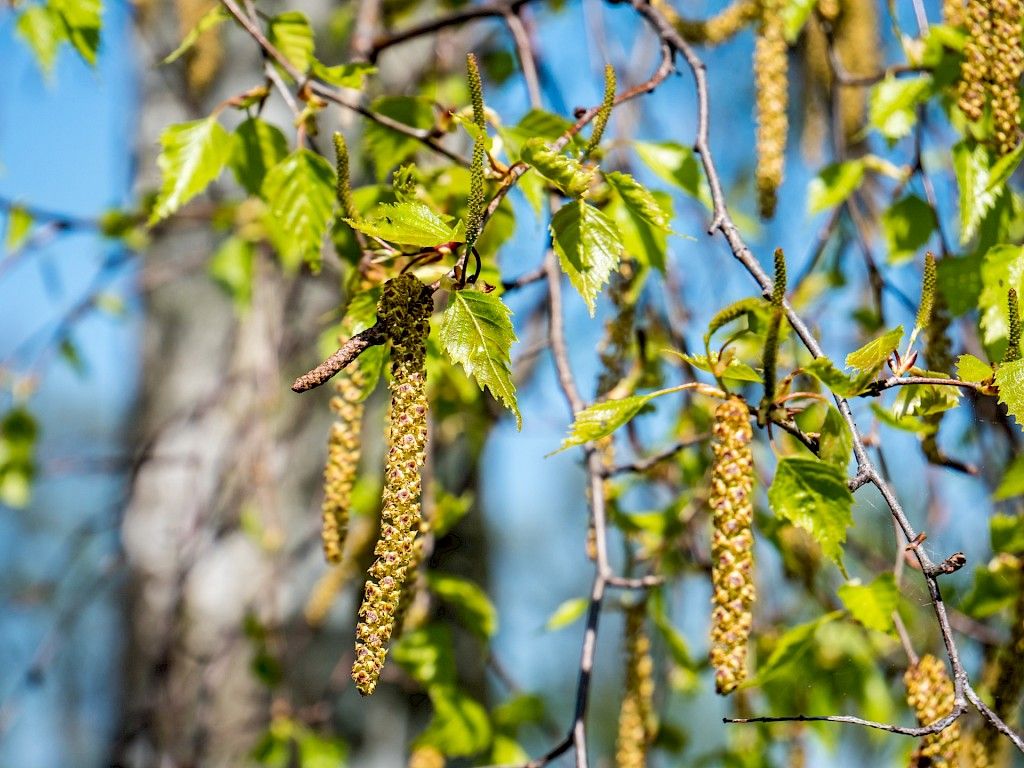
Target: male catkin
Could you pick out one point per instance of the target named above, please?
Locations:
(716, 29)
(636, 716)
(732, 544)
(1006, 65)
(771, 72)
(342, 461)
(930, 695)
(404, 312)
(974, 72)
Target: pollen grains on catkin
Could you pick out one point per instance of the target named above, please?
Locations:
(1006, 65)
(717, 29)
(404, 312)
(771, 68)
(974, 71)
(930, 694)
(857, 45)
(732, 544)
(637, 724)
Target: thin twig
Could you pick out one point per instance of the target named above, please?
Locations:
(348, 352)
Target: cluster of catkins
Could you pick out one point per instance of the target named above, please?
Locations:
(637, 723)
(404, 313)
(342, 460)
(930, 694)
(732, 544)
(992, 68)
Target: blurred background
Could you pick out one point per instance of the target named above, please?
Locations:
(159, 548)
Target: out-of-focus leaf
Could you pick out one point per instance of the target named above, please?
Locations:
(212, 19)
(82, 22)
(259, 146)
(43, 30)
(566, 613)
(790, 649)
(971, 164)
(1007, 531)
(470, 602)
(427, 654)
(872, 604)
(1001, 270)
(460, 726)
(814, 496)
(907, 225)
(835, 441)
(232, 269)
(893, 102)
(678, 165)
(19, 225)
(291, 34)
(834, 184)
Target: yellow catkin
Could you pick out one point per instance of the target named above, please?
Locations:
(973, 753)
(930, 694)
(953, 12)
(771, 73)
(427, 756)
(203, 60)
(857, 45)
(732, 544)
(974, 71)
(636, 716)
(1008, 685)
(404, 311)
(718, 28)
(1006, 65)
(342, 460)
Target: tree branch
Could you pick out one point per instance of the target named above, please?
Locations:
(348, 352)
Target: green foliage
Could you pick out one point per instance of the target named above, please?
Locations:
(19, 227)
(872, 604)
(259, 146)
(406, 224)
(677, 165)
(813, 495)
(1010, 380)
(470, 602)
(386, 147)
(970, 368)
(588, 246)
(893, 105)
(790, 650)
(639, 201)
(476, 333)
(290, 33)
(212, 19)
(1001, 270)
(564, 172)
(1012, 483)
(835, 442)
(873, 355)
(834, 184)
(19, 434)
(907, 225)
(232, 267)
(192, 155)
(300, 199)
(566, 613)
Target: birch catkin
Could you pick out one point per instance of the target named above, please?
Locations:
(732, 544)
(716, 29)
(1006, 65)
(404, 311)
(930, 694)
(771, 73)
(636, 716)
(342, 461)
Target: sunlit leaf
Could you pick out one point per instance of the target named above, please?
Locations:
(872, 604)
(406, 224)
(563, 171)
(566, 613)
(192, 156)
(970, 368)
(290, 33)
(470, 602)
(300, 198)
(1010, 380)
(813, 495)
(907, 225)
(588, 246)
(873, 355)
(212, 19)
(834, 184)
(259, 146)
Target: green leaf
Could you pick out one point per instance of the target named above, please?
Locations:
(750, 308)
(567, 613)
(872, 604)
(825, 371)
(601, 419)
(507, 751)
(835, 442)
(644, 242)
(970, 368)
(971, 165)
(873, 355)
(232, 269)
(351, 75)
(212, 19)
(1006, 532)
(82, 21)
(388, 148)
(476, 332)
(19, 225)
(1003, 169)
(906, 423)
(790, 649)
(733, 369)
(994, 588)
(291, 34)
(1001, 270)
(192, 155)
(814, 496)
(406, 224)
(537, 123)
(834, 184)
(427, 654)
(19, 434)
(925, 399)
(259, 146)
(43, 30)
(678, 165)
(1012, 483)
(564, 172)
(460, 725)
(1010, 380)
(893, 102)
(448, 510)
(674, 640)
(794, 16)
(299, 192)
(588, 246)
(470, 602)
(639, 200)
(959, 282)
(907, 225)
(517, 711)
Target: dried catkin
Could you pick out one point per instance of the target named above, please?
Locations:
(1006, 64)
(718, 28)
(857, 46)
(404, 311)
(974, 71)
(732, 544)
(771, 72)
(342, 460)
(636, 716)
(930, 694)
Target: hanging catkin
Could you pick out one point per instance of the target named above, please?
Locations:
(404, 312)
(857, 43)
(771, 72)
(716, 29)
(636, 716)
(930, 694)
(732, 544)
(974, 72)
(204, 57)
(1006, 65)
(342, 460)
